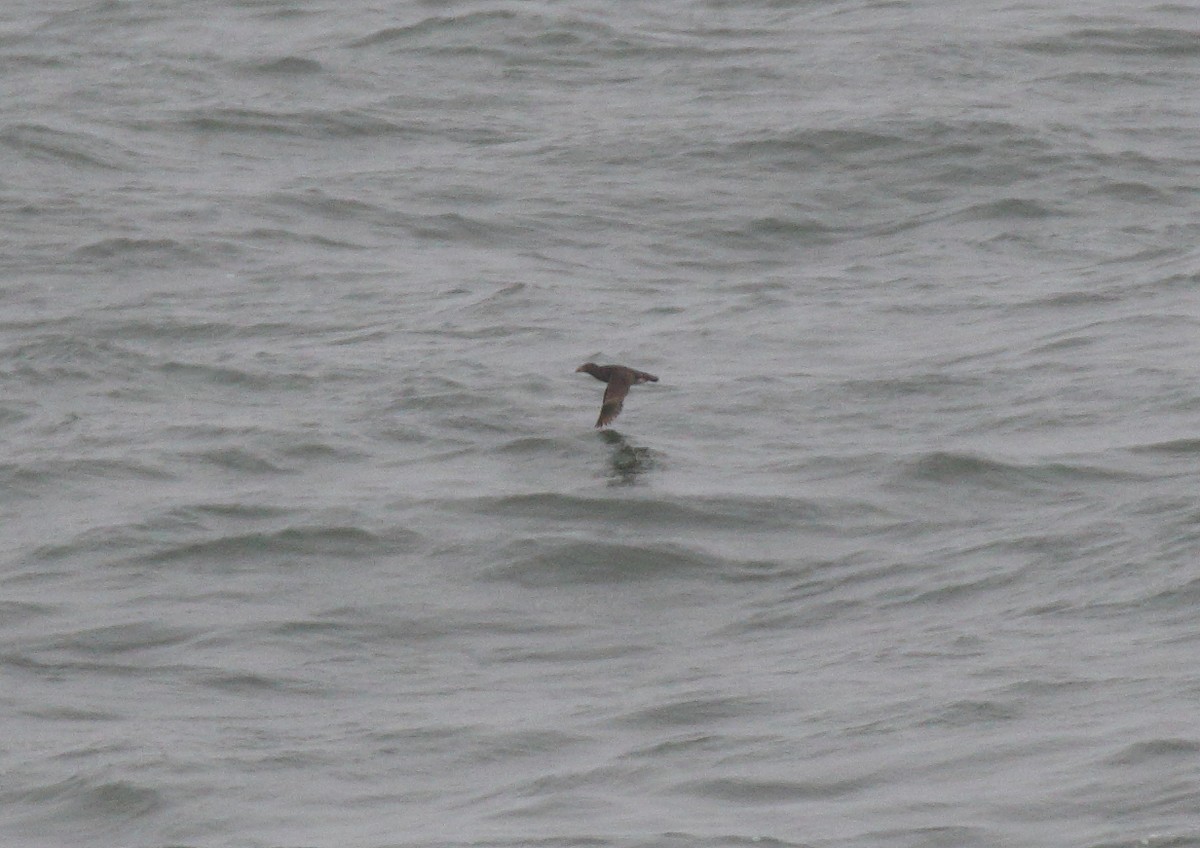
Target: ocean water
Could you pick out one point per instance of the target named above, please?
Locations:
(308, 540)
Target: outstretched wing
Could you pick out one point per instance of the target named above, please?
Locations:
(614, 399)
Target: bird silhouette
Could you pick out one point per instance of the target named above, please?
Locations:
(619, 379)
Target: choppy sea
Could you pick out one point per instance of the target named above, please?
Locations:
(307, 539)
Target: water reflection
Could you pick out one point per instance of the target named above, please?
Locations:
(628, 462)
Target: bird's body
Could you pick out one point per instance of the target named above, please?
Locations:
(619, 379)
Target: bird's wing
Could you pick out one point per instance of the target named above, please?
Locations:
(614, 399)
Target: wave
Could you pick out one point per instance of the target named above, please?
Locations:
(1184, 446)
(43, 472)
(948, 467)
(52, 357)
(1155, 752)
(743, 513)
(1160, 42)
(437, 25)
(89, 798)
(216, 535)
(309, 123)
(123, 251)
(69, 148)
(117, 639)
(323, 541)
(222, 375)
(557, 562)
(753, 791)
(286, 66)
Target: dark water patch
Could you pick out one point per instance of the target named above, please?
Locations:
(791, 619)
(1182, 447)
(667, 839)
(431, 738)
(935, 152)
(751, 791)
(332, 207)
(1069, 343)
(230, 511)
(105, 470)
(519, 744)
(54, 357)
(973, 712)
(356, 626)
(323, 542)
(1097, 79)
(445, 399)
(678, 839)
(1106, 329)
(275, 237)
(60, 671)
(313, 451)
(681, 745)
(221, 375)
(1007, 209)
(315, 124)
(482, 331)
(122, 540)
(11, 415)
(439, 26)
(1150, 42)
(1038, 693)
(414, 434)
(310, 627)
(457, 228)
(1183, 596)
(72, 714)
(628, 463)
(810, 592)
(286, 66)
(549, 562)
(70, 148)
(250, 684)
(532, 446)
(1140, 193)
(938, 836)
(517, 39)
(124, 251)
(361, 336)
(931, 384)
(1155, 752)
(205, 432)
(571, 655)
(743, 513)
(800, 148)
(774, 231)
(1073, 299)
(200, 329)
(240, 460)
(1155, 839)
(100, 801)
(697, 711)
(14, 612)
(954, 589)
(950, 468)
(119, 639)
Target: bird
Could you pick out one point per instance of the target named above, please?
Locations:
(619, 379)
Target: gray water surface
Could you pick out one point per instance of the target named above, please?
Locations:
(308, 539)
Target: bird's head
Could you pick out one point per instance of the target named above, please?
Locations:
(587, 368)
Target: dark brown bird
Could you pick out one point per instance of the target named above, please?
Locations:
(619, 379)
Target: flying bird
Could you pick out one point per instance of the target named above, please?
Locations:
(619, 379)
